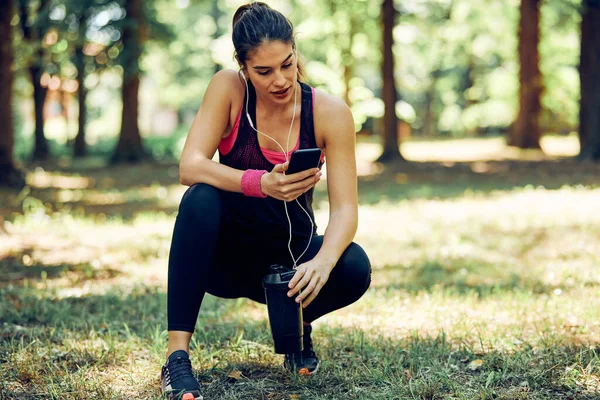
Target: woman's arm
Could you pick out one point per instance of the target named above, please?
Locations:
(340, 139)
(335, 126)
(196, 164)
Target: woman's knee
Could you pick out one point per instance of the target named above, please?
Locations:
(357, 268)
(201, 201)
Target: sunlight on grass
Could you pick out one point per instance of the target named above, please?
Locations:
(434, 260)
(477, 149)
(42, 179)
(560, 145)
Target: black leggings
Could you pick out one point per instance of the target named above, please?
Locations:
(209, 255)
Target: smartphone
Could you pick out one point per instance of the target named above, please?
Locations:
(303, 159)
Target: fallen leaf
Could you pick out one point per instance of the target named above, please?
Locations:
(401, 178)
(475, 365)
(235, 374)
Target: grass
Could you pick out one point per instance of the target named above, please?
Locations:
(485, 286)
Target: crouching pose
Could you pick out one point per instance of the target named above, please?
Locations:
(243, 213)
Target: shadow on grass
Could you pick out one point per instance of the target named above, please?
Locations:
(19, 267)
(460, 277)
(97, 173)
(428, 180)
(232, 354)
(95, 190)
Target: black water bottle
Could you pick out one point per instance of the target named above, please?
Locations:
(285, 315)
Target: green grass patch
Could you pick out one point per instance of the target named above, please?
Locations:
(485, 286)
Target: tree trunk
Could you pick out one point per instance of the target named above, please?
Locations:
(40, 150)
(80, 147)
(391, 151)
(216, 14)
(525, 132)
(347, 77)
(9, 174)
(348, 59)
(429, 118)
(344, 41)
(32, 34)
(130, 148)
(589, 75)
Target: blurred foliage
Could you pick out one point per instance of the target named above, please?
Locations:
(456, 63)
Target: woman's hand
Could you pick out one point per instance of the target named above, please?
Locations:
(310, 278)
(288, 187)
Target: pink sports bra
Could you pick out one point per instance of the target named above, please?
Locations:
(274, 157)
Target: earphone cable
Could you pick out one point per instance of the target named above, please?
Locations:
(285, 153)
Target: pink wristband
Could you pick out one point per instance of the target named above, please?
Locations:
(251, 183)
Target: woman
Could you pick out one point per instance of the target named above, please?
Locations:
(245, 206)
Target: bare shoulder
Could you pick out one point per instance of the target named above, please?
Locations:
(227, 79)
(225, 92)
(332, 116)
(327, 106)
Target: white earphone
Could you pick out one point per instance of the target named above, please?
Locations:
(285, 153)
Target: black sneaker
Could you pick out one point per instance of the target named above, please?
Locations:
(177, 380)
(306, 362)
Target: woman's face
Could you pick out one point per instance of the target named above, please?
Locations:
(273, 69)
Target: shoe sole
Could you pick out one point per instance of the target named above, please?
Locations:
(189, 396)
(305, 371)
(186, 396)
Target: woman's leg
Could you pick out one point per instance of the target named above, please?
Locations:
(191, 258)
(348, 281)
(209, 255)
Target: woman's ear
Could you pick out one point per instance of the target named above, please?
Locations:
(242, 72)
(240, 64)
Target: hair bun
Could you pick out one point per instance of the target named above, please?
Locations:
(243, 9)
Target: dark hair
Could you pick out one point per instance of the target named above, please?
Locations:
(255, 23)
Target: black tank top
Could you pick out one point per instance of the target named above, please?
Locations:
(267, 216)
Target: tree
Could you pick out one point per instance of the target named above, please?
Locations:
(91, 48)
(589, 75)
(9, 174)
(34, 28)
(80, 10)
(433, 62)
(525, 132)
(129, 147)
(346, 17)
(391, 151)
(216, 14)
